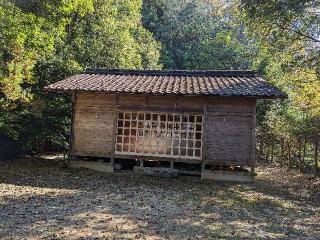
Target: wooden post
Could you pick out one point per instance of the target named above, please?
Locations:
(203, 166)
(171, 164)
(114, 131)
(204, 142)
(71, 138)
(253, 140)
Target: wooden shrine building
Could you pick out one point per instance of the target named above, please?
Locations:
(205, 117)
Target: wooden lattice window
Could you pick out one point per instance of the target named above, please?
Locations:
(159, 134)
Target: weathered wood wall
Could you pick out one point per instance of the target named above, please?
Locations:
(94, 116)
(229, 132)
(229, 124)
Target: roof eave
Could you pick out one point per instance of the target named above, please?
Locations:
(167, 94)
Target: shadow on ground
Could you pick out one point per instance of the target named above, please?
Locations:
(39, 199)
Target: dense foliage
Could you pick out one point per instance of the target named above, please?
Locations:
(42, 41)
(287, 33)
(198, 34)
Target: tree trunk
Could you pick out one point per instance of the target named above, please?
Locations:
(272, 150)
(300, 155)
(289, 156)
(267, 153)
(261, 150)
(281, 151)
(304, 150)
(316, 167)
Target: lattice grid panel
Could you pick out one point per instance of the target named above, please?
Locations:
(159, 134)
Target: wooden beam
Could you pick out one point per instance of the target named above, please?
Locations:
(204, 142)
(71, 138)
(155, 158)
(114, 131)
(233, 114)
(160, 109)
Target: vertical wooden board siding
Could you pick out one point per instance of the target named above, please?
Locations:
(94, 116)
(228, 133)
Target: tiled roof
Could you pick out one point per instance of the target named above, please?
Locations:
(157, 82)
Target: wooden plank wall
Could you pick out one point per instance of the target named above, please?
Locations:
(93, 129)
(228, 130)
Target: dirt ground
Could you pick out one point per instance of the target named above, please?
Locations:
(40, 200)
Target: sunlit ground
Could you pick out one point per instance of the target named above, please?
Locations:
(40, 200)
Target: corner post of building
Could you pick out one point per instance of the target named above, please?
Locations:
(204, 142)
(253, 140)
(115, 120)
(71, 138)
